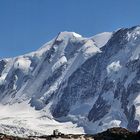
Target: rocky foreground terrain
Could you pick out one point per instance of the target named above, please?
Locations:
(110, 134)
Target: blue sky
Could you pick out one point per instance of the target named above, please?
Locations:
(25, 25)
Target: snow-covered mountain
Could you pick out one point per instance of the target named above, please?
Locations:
(75, 84)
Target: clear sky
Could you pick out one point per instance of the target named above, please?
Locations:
(25, 25)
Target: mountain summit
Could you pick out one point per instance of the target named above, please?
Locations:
(75, 84)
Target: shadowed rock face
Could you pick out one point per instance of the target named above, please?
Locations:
(132, 123)
(99, 110)
(2, 66)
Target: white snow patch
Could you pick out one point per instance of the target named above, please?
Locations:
(128, 36)
(102, 38)
(114, 67)
(76, 35)
(59, 63)
(23, 64)
(112, 123)
(89, 49)
(66, 35)
(2, 78)
(133, 35)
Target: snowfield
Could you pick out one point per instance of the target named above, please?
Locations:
(23, 120)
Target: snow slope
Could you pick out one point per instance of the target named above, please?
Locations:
(22, 120)
(102, 38)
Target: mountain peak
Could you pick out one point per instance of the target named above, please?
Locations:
(66, 35)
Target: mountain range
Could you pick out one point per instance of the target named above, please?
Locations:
(74, 84)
